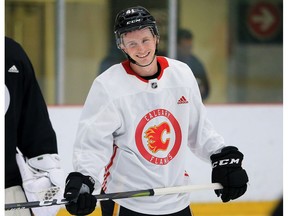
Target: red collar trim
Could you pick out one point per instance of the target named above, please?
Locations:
(160, 59)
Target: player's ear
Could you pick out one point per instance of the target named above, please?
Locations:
(122, 46)
(157, 39)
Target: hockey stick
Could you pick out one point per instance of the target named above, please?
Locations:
(120, 195)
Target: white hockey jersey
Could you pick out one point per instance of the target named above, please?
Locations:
(138, 132)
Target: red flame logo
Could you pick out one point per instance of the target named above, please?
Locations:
(155, 137)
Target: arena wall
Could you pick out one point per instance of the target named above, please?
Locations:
(257, 130)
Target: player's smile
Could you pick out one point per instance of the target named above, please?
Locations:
(143, 56)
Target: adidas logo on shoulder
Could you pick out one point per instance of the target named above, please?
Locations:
(13, 69)
(182, 100)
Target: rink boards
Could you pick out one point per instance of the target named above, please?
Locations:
(217, 209)
(257, 130)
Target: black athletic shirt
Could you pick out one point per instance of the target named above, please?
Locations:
(27, 123)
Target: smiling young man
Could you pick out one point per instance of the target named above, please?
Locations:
(139, 119)
(141, 46)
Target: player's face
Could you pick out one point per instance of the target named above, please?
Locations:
(140, 45)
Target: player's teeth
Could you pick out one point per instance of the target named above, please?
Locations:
(144, 55)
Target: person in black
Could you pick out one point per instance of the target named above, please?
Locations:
(27, 123)
(185, 54)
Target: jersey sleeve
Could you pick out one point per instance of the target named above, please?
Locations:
(203, 139)
(38, 134)
(94, 140)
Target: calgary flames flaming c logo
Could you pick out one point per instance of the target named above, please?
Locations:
(158, 137)
(155, 137)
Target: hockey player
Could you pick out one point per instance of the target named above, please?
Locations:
(138, 121)
(36, 167)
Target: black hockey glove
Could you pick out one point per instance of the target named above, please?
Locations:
(78, 191)
(227, 170)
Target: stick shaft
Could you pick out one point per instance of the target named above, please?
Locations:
(187, 188)
(120, 195)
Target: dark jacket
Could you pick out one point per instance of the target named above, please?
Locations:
(27, 123)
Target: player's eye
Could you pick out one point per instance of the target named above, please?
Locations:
(146, 40)
(131, 44)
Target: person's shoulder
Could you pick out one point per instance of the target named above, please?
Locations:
(10, 41)
(180, 71)
(110, 72)
(174, 62)
(14, 51)
(196, 59)
(12, 44)
(177, 64)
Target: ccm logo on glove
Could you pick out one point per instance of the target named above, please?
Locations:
(225, 162)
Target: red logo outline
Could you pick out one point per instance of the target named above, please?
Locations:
(139, 134)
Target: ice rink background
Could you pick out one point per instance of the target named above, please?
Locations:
(257, 130)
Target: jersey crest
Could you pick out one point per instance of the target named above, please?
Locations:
(158, 136)
(154, 137)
